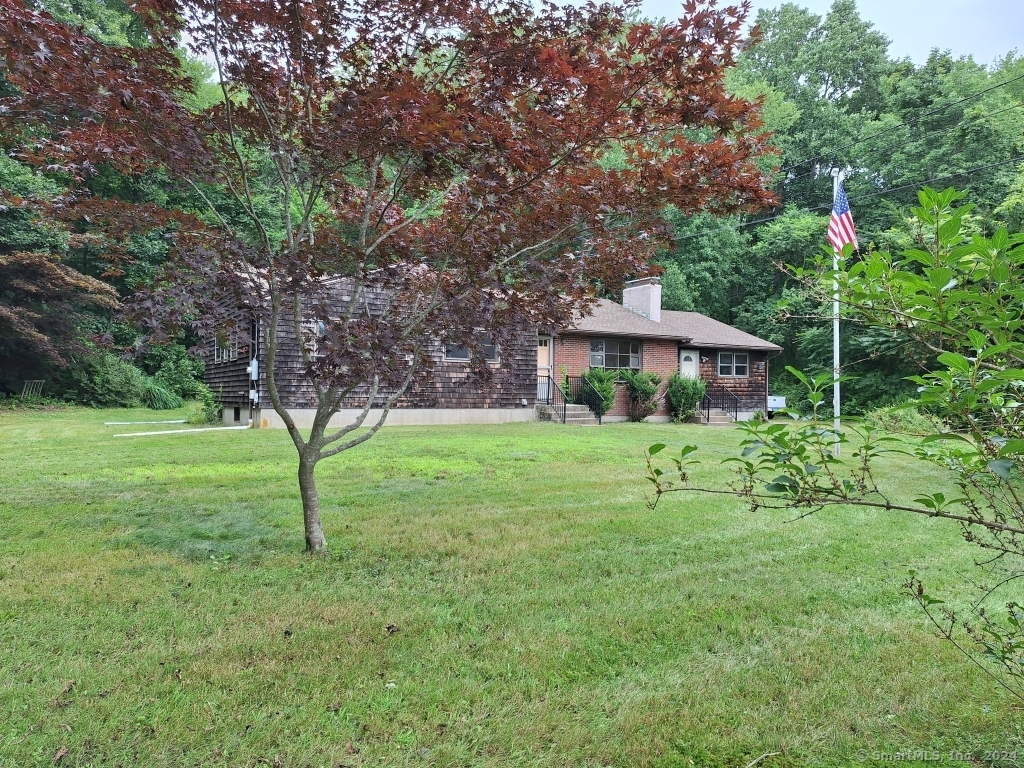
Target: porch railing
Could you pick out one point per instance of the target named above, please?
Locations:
(583, 392)
(720, 399)
(574, 390)
(551, 393)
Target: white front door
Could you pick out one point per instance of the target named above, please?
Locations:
(689, 363)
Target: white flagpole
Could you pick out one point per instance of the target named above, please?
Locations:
(836, 179)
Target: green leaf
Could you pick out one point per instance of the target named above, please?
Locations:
(955, 361)
(1001, 467)
(1012, 447)
(656, 448)
(945, 436)
(977, 338)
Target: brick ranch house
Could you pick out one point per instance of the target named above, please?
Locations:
(640, 335)
(636, 334)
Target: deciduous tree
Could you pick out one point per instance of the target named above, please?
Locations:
(442, 162)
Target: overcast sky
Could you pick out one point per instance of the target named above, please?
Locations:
(984, 29)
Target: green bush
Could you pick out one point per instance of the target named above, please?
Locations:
(906, 419)
(158, 397)
(643, 393)
(604, 382)
(107, 381)
(683, 394)
(182, 375)
(208, 411)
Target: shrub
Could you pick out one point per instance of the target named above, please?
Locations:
(906, 419)
(158, 397)
(109, 382)
(604, 382)
(683, 394)
(181, 374)
(208, 411)
(643, 393)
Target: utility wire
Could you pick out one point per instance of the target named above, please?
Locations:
(908, 185)
(905, 122)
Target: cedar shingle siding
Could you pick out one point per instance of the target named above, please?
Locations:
(452, 384)
(229, 379)
(510, 382)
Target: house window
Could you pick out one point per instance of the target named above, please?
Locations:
(224, 349)
(733, 363)
(613, 354)
(312, 332)
(462, 353)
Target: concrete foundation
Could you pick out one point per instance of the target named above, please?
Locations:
(651, 419)
(228, 414)
(401, 417)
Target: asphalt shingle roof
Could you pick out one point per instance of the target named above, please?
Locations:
(610, 319)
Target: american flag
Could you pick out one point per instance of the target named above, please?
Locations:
(840, 226)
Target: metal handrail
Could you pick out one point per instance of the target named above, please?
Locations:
(722, 399)
(583, 392)
(600, 399)
(552, 399)
(730, 396)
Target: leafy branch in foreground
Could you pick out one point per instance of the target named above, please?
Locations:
(961, 297)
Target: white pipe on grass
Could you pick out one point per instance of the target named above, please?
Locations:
(179, 431)
(126, 423)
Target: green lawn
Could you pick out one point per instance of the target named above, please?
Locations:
(495, 596)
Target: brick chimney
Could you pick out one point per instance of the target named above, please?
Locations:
(643, 296)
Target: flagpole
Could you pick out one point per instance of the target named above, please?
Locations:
(836, 180)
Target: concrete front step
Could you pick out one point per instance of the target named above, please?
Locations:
(579, 415)
(716, 418)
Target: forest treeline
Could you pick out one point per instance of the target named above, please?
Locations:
(835, 99)
(832, 98)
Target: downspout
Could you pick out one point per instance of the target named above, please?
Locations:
(255, 376)
(767, 360)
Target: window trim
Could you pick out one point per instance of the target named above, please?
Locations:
(732, 365)
(495, 360)
(604, 352)
(312, 331)
(225, 354)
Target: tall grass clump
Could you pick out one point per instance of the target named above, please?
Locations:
(158, 397)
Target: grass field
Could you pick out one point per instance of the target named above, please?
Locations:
(495, 596)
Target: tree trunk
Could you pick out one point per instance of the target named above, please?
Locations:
(315, 541)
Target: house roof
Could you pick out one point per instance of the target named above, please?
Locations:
(706, 332)
(610, 319)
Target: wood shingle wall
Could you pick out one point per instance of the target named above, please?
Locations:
(510, 382)
(229, 379)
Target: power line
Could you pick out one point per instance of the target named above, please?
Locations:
(908, 185)
(1016, 159)
(905, 123)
